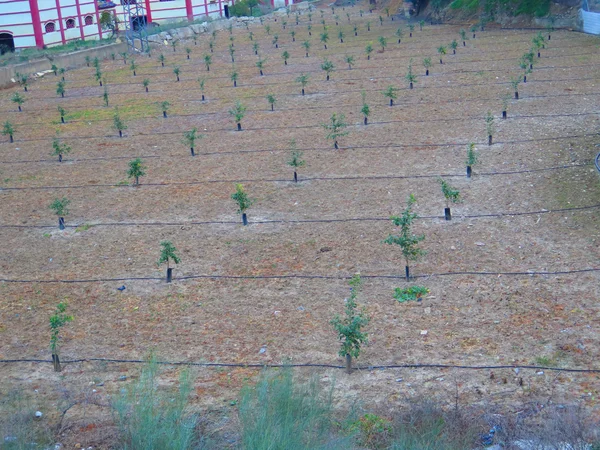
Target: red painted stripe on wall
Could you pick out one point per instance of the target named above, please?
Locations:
(37, 25)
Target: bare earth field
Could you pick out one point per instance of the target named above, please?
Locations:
(329, 225)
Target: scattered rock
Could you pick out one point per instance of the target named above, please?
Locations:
(541, 372)
(38, 414)
(300, 308)
(427, 311)
(423, 332)
(398, 380)
(517, 370)
(262, 350)
(325, 249)
(480, 244)
(123, 378)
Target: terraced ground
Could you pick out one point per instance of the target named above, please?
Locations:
(307, 238)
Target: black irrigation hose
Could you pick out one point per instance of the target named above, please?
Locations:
(304, 221)
(326, 366)
(278, 180)
(302, 277)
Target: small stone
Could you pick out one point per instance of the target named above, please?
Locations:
(398, 380)
(541, 372)
(262, 350)
(427, 311)
(38, 414)
(100, 384)
(276, 313)
(480, 244)
(300, 308)
(452, 247)
(496, 322)
(122, 377)
(517, 370)
(423, 332)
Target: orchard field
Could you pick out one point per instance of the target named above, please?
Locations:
(513, 278)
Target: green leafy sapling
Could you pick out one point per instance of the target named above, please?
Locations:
(62, 113)
(146, 83)
(489, 126)
(349, 60)
(306, 45)
(188, 52)
(164, 107)
(365, 110)
(18, 99)
(260, 64)
(336, 128)
(60, 206)
(324, 39)
(58, 320)
(472, 158)
(369, 50)
(202, 82)
(303, 80)
(133, 66)
(60, 88)
(295, 160)
(454, 46)
(243, 201)
(341, 36)
(8, 130)
(118, 123)
(190, 137)
(399, 33)
(427, 65)
(161, 59)
(410, 76)
(285, 55)
(207, 62)
(390, 92)
(275, 40)
(328, 67)
(136, 170)
(177, 71)
(463, 36)
(234, 75)
(450, 194)
(238, 112)
(442, 51)
(406, 239)
(168, 253)
(350, 327)
(60, 149)
(271, 99)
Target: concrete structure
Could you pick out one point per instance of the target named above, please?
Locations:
(39, 23)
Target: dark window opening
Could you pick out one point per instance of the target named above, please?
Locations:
(49, 27)
(70, 23)
(89, 20)
(138, 22)
(7, 43)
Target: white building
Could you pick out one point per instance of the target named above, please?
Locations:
(39, 23)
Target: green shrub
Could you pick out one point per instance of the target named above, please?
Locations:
(374, 431)
(150, 419)
(410, 293)
(280, 414)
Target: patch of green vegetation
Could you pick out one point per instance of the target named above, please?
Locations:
(47, 235)
(468, 6)
(84, 227)
(538, 8)
(410, 293)
(27, 54)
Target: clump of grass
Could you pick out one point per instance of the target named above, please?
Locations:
(149, 418)
(280, 414)
(84, 227)
(410, 293)
(19, 428)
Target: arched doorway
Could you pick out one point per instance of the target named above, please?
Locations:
(7, 43)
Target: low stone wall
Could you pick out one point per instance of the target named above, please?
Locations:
(68, 61)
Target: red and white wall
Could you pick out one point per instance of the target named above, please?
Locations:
(35, 23)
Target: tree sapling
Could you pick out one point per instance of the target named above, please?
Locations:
(18, 99)
(451, 195)
(59, 149)
(8, 130)
(335, 128)
(427, 65)
(442, 51)
(349, 60)
(190, 137)
(62, 113)
(260, 64)
(472, 158)
(136, 170)
(164, 107)
(271, 99)
(243, 201)
(168, 253)
(295, 160)
(390, 93)
(303, 80)
(146, 83)
(60, 88)
(328, 67)
(177, 71)
(349, 328)
(118, 123)
(369, 50)
(410, 76)
(60, 206)
(365, 110)
(285, 55)
(58, 320)
(489, 126)
(238, 112)
(408, 242)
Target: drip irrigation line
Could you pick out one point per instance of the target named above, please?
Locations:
(306, 221)
(300, 179)
(298, 365)
(292, 83)
(307, 149)
(302, 277)
(222, 114)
